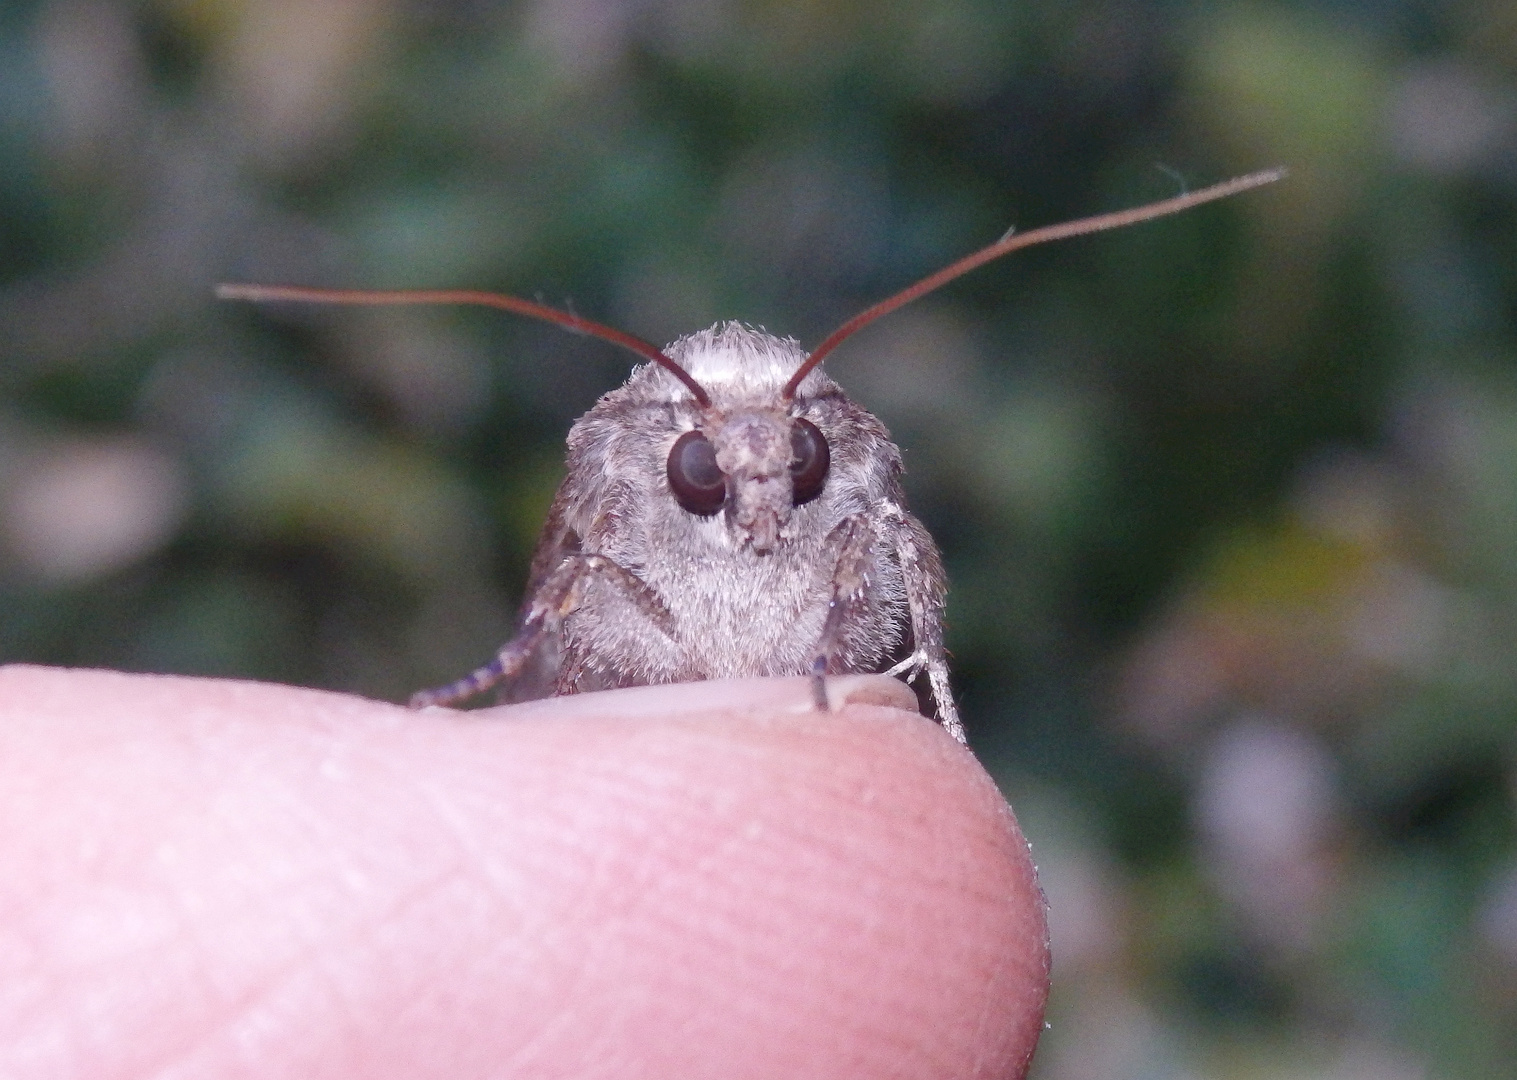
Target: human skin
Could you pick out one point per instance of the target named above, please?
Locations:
(206, 878)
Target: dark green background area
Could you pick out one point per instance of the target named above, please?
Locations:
(1229, 501)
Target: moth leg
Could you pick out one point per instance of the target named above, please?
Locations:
(926, 584)
(559, 596)
(848, 584)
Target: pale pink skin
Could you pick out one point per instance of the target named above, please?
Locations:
(203, 878)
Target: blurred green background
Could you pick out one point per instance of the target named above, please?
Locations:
(1229, 501)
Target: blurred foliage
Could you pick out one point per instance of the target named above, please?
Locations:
(1229, 501)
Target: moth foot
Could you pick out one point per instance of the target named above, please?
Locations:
(819, 685)
(910, 667)
(936, 670)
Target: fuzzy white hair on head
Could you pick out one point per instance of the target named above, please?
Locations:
(733, 356)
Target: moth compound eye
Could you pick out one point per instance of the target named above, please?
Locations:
(698, 485)
(811, 460)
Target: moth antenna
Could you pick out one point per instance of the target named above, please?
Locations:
(1014, 241)
(568, 320)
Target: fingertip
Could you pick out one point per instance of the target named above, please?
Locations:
(708, 880)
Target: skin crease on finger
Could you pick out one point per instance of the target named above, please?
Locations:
(212, 878)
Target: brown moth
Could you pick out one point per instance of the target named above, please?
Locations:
(730, 512)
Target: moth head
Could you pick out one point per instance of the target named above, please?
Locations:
(752, 456)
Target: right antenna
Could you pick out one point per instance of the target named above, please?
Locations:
(1014, 242)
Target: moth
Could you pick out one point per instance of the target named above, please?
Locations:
(730, 512)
